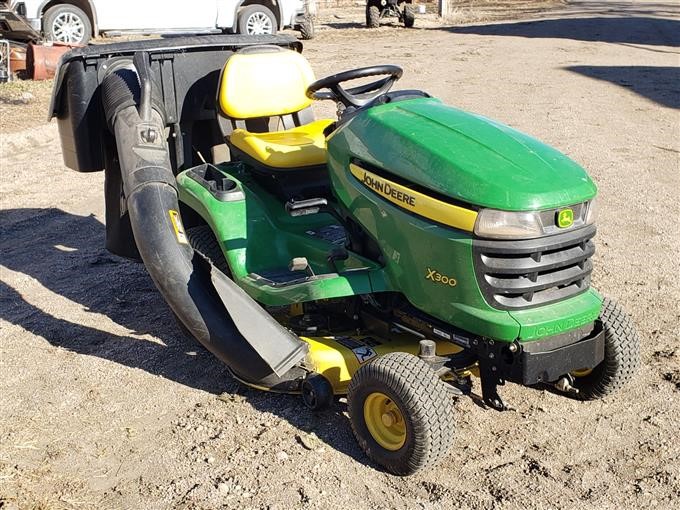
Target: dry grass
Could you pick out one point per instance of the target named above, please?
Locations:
(23, 104)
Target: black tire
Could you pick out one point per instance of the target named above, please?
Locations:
(423, 402)
(71, 16)
(203, 241)
(307, 29)
(372, 16)
(252, 12)
(409, 15)
(317, 392)
(621, 355)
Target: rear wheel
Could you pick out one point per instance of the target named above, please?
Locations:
(256, 20)
(67, 24)
(621, 356)
(307, 30)
(372, 16)
(401, 413)
(409, 15)
(204, 242)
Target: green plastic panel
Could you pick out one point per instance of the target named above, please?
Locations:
(559, 317)
(464, 156)
(257, 236)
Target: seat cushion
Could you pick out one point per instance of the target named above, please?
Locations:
(264, 82)
(293, 148)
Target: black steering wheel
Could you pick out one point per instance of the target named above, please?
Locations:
(356, 96)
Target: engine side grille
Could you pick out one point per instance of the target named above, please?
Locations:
(514, 275)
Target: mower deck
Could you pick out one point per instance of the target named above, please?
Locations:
(338, 357)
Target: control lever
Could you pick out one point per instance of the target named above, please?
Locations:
(300, 264)
(305, 207)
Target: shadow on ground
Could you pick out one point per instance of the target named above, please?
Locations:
(623, 30)
(658, 84)
(343, 25)
(629, 7)
(65, 254)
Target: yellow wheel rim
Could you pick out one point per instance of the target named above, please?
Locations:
(582, 372)
(384, 421)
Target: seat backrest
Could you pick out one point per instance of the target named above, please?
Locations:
(264, 81)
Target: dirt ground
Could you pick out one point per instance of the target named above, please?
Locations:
(105, 404)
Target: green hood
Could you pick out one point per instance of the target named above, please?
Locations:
(466, 157)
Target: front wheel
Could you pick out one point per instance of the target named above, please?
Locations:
(621, 356)
(67, 24)
(307, 30)
(401, 413)
(409, 15)
(372, 16)
(256, 20)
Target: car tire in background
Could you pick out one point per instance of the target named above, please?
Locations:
(68, 24)
(256, 20)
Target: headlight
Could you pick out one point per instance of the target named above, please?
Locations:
(508, 224)
(591, 214)
(496, 224)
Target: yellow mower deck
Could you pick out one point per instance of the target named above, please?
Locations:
(337, 358)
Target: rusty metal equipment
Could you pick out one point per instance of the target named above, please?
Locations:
(17, 57)
(5, 70)
(42, 59)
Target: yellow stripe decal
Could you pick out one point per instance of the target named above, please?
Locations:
(416, 202)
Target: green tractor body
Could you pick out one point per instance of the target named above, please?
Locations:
(388, 255)
(469, 160)
(475, 163)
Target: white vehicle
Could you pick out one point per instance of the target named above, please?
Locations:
(76, 21)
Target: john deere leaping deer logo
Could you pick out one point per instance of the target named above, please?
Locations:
(565, 218)
(437, 277)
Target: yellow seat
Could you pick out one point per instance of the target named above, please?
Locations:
(265, 82)
(293, 148)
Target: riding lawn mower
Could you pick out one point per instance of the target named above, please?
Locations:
(392, 255)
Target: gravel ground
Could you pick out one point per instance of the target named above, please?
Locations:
(104, 404)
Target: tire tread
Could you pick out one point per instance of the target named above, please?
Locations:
(204, 241)
(372, 16)
(622, 355)
(426, 399)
